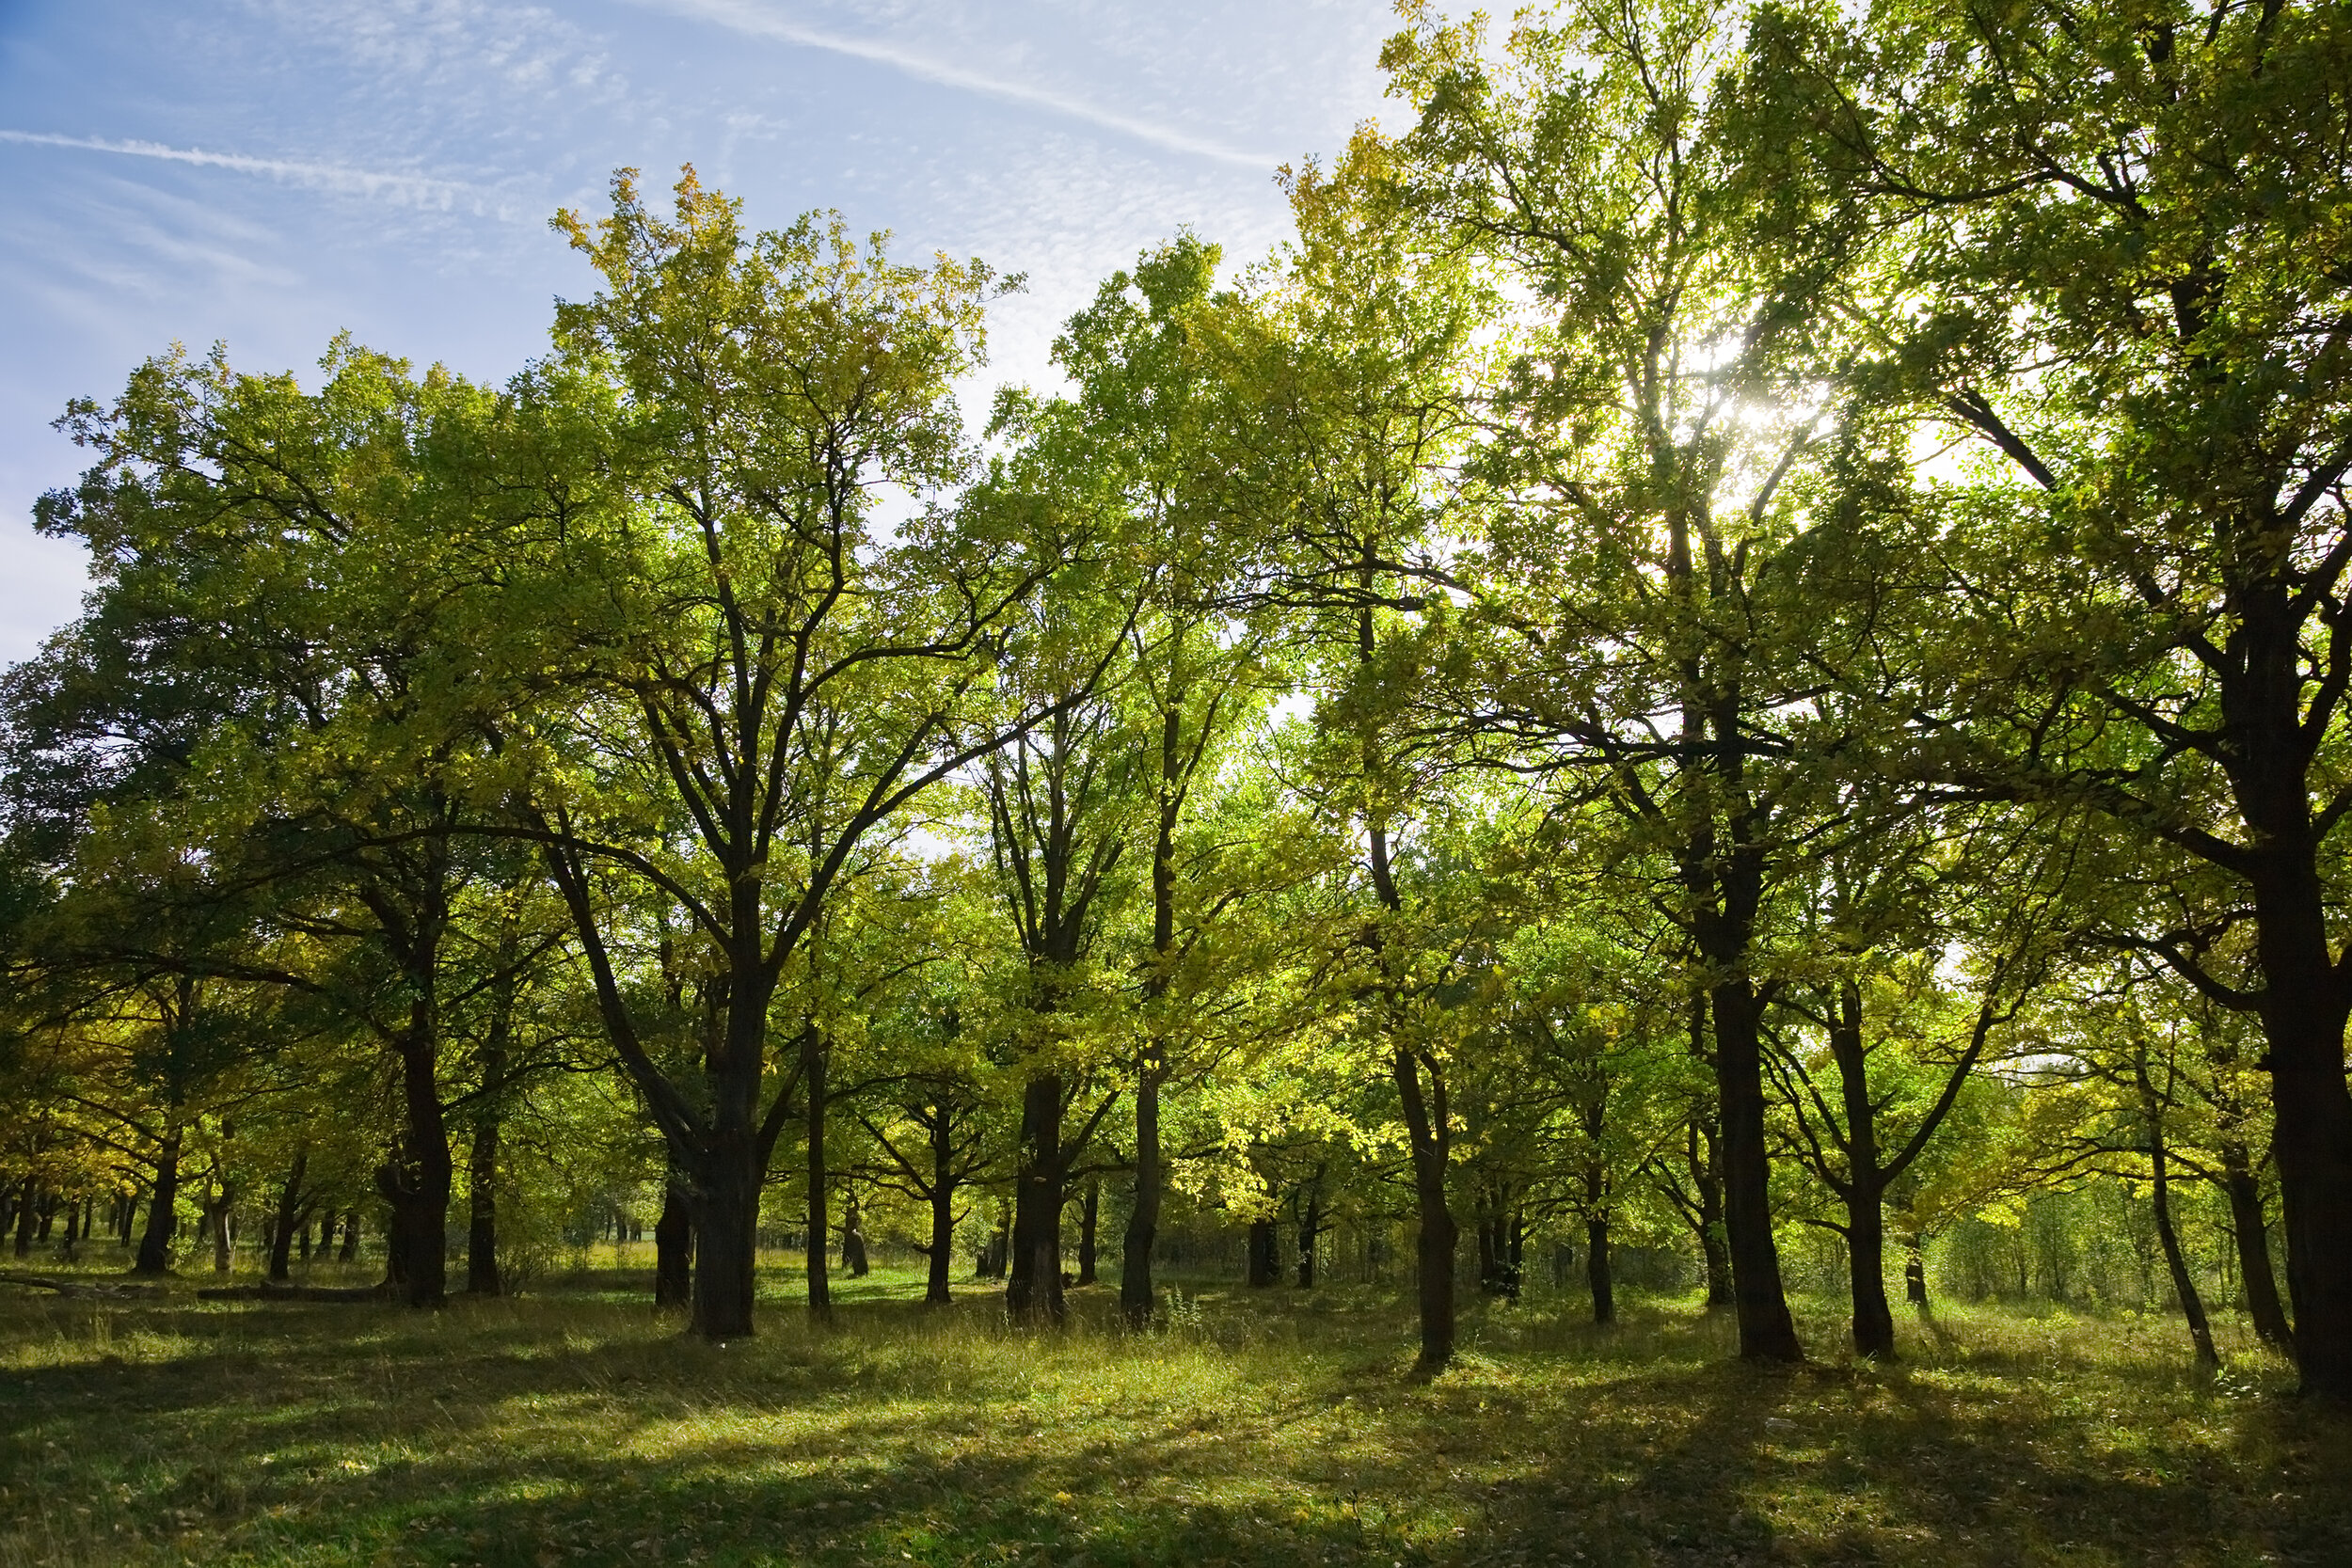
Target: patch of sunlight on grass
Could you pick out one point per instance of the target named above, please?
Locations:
(1274, 1428)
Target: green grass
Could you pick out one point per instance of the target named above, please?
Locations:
(1275, 1427)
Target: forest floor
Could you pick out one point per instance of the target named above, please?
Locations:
(1279, 1427)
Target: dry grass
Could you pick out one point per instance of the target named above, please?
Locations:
(1274, 1428)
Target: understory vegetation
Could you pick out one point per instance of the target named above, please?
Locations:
(1265, 1427)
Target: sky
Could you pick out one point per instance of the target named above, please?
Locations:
(266, 173)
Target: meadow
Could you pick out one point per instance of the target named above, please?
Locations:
(577, 1426)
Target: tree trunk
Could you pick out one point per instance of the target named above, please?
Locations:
(162, 1221)
(2185, 1288)
(1865, 1270)
(482, 1206)
(726, 1239)
(482, 1159)
(422, 1174)
(673, 1247)
(997, 1255)
(814, 1060)
(1033, 1295)
(1767, 1332)
(1430, 1138)
(1703, 1156)
(1915, 1271)
(349, 1251)
(942, 1248)
(1310, 1229)
(853, 1237)
(1090, 1214)
(395, 1233)
(1596, 1271)
(1864, 1190)
(289, 1216)
(2250, 1232)
(1143, 1222)
(1265, 1264)
(2305, 993)
(219, 1216)
(941, 1128)
(25, 1220)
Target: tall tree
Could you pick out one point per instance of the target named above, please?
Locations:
(1645, 587)
(741, 648)
(2109, 262)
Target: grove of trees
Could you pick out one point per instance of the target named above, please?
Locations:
(1738, 649)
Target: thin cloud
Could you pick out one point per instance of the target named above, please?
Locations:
(410, 190)
(759, 23)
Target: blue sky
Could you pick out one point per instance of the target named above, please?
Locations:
(268, 172)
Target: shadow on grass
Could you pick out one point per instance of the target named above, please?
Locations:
(1282, 1431)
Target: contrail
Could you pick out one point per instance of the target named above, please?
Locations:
(759, 23)
(415, 190)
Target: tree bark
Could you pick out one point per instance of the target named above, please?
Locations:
(2249, 1230)
(349, 1251)
(2304, 997)
(1265, 1265)
(1915, 1271)
(24, 1206)
(1089, 1212)
(1767, 1332)
(854, 1258)
(155, 1256)
(1143, 1222)
(481, 1160)
(1597, 1273)
(997, 1254)
(1865, 1192)
(482, 1207)
(814, 1061)
(1310, 1229)
(941, 1256)
(673, 1248)
(940, 1127)
(422, 1172)
(290, 1214)
(2184, 1287)
(1713, 1247)
(217, 1211)
(1033, 1293)
(726, 1236)
(1430, 1138)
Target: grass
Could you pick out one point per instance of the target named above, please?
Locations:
(1271, 1428)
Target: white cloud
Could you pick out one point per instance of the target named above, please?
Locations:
(408, 190)
(759, 22)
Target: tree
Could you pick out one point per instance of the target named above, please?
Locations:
(331, 752)
(2105, 261)
(1153, 424)
(727, 640)
(1887, 1034)
(1642, 604)
(1362, 359)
